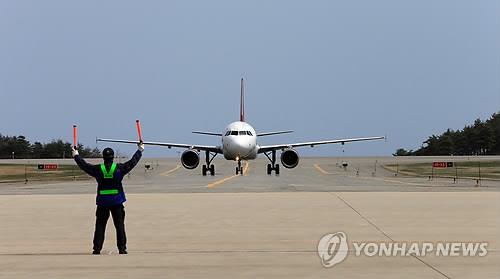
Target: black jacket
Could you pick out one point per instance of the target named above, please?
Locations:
(105, 184)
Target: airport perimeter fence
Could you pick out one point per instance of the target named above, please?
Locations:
(52, 170)
(12, 173)
(475, 171)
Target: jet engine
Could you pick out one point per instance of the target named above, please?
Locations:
(289, 158)
(190, 159)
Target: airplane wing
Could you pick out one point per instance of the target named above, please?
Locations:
(267, 148)
(215, 149)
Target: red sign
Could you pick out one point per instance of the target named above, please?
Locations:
(50, 167)
(442, 165)
(47, 167)
(439, 165)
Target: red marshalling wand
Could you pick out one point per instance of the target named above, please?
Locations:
(139, 129)
(74, 135)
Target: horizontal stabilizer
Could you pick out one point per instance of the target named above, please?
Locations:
(207, 133)
(274, 133)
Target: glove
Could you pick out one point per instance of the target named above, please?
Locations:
(140, 146)
(74, 151)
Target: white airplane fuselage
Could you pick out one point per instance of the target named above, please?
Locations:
(239, 142)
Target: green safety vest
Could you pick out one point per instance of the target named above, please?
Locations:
(108, 175)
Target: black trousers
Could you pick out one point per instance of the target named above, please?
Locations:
(102, 216)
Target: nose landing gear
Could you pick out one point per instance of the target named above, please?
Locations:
(239, 168)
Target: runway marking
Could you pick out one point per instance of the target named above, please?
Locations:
(246, 169)
(389, 237)
(218, 182)
(322, 171)
(400, 182)
(169, 172)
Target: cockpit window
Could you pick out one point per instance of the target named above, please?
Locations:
(239, 133)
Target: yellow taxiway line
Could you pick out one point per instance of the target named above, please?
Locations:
(169, 172)
(322, 171)
(226, 179)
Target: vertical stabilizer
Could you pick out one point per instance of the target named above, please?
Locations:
(242, 102)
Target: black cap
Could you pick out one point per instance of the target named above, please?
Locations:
(108, 153)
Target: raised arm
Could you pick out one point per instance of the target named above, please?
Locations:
(86, 167)
(130, 164)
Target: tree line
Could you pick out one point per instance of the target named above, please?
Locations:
(20, 148)
(480, 138)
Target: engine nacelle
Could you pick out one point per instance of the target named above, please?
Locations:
(190, 159)
(289, 158)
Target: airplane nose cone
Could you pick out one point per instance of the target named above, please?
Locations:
(239, 147)
(242, 145)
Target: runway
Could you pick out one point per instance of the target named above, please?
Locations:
(181, 224)
(312, 175)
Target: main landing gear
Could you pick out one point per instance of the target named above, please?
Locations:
(239, 168)
(209, 157)
(273, 166)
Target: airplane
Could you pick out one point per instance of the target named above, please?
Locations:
(239, 143)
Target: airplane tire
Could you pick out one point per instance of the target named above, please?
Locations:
(277, 169)
(204, 170)
(269, 169)
(237, 170)
(212, 170)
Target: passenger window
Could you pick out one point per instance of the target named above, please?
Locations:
(234, 133)
(243, 133)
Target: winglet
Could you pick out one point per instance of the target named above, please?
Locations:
(242, 102)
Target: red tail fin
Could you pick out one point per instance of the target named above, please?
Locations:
(242, 102)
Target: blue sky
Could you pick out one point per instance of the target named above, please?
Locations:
(326, 69)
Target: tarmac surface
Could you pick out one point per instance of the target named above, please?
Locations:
(180, 224)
